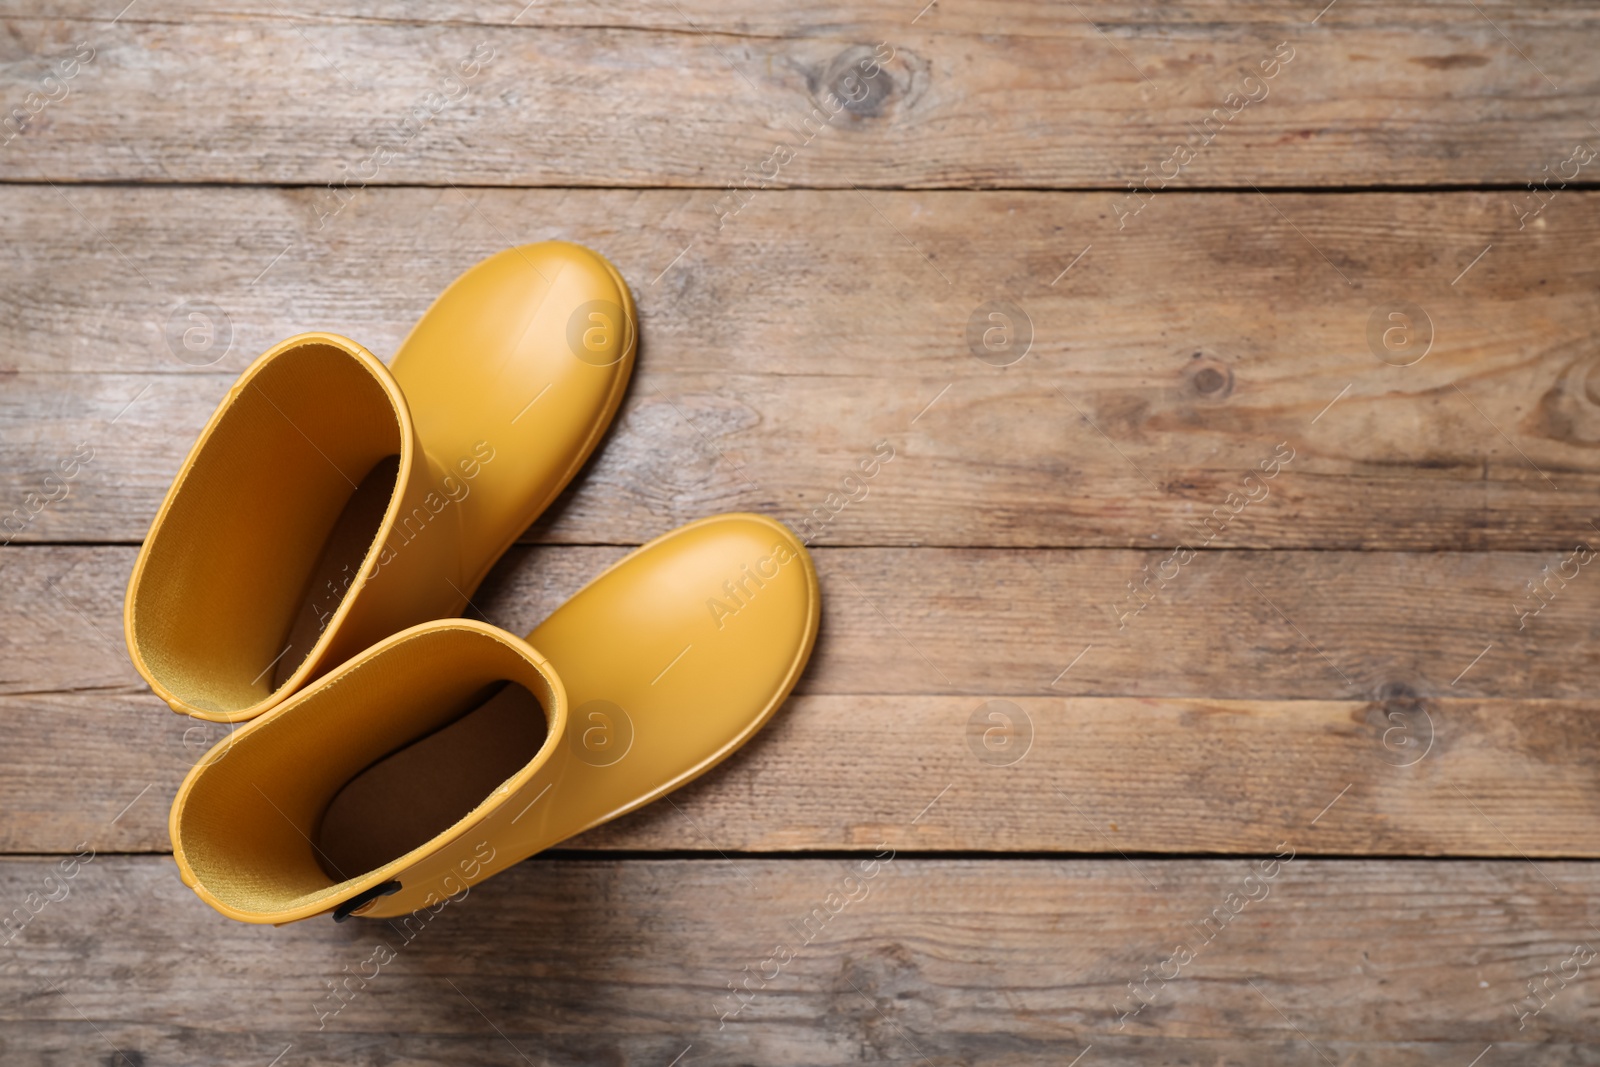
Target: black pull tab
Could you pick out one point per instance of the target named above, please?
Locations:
(361, 900)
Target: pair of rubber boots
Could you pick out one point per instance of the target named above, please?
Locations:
(305, 573)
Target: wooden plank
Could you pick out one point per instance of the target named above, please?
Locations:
(1016, 95)
(1205, 726)
(943, 962)
(1239, 625)
(1091, 774)
(777, 351)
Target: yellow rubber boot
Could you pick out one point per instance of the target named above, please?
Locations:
(331, 502)
(452, 750)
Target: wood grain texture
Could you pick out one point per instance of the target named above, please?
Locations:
(1399, 776)
(935, 961)
(1238, 625)
(1207, 725)
(1023, 94)
(1354, 667)
(1166, 364)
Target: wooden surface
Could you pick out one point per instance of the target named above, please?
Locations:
(778, 350)
(935, 961)
(1349, 668)
(1020, 94)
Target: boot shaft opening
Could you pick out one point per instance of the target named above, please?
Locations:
(269, 526)
(410, 745)
(417, 792)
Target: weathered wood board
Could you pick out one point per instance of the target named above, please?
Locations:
(1022, 94)
(932, 961)
(1172, 360)
(1091, 775)
(1243, 625)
